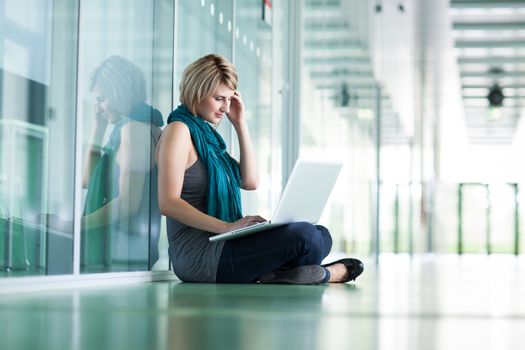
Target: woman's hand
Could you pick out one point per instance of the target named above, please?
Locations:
(101, 121)
(236, 113)
(245, 221)
(99, 126)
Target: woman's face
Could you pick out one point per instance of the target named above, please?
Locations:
(103, 107)
(212, 108)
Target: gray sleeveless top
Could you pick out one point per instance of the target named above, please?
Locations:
(193, 256)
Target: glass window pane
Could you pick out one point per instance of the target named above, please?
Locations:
(37, 128)
(203, 29)
(124, 100)
(446, 218)
(253, 59)
(502, 218)
(338, 99)
(475, 218)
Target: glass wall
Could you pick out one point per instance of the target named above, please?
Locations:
(253, 59)
(203, 27)
(479, 218)
(358, 104)
(124, 101)
(338, 111)
(38, 55)
(102, 71)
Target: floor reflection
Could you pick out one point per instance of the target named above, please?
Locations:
(407, 303)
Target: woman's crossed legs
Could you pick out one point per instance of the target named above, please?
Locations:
(246, 259)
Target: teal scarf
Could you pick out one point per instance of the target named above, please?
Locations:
(224, 177)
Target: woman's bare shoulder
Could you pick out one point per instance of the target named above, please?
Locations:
(175, 132)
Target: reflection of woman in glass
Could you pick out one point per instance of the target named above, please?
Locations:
(199, 192)
(121, 220)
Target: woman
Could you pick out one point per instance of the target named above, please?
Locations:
(121, 222)
(199, 192)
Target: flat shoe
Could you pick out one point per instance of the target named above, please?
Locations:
(306, 274)
(354, 267)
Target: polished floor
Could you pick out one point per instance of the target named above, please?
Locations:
(422, 303)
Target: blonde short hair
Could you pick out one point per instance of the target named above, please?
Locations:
(121, 81)
(201, 78)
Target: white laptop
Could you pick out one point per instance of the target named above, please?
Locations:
(303, 199)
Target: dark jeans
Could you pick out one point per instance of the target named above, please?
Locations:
(247, 258)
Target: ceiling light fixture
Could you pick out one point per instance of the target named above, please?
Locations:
(495, 96)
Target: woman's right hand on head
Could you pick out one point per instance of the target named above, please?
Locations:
(245, 221)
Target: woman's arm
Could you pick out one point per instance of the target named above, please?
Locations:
(94, 148)
(247, 161)
(174, 155)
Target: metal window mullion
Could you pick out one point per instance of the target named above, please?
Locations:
(516, 220)
(292, 121)
(410, 220)
(396, 221)
(174, 53)
(376, 193)
(152, 143)
(488, 220)
(234, 58)
(77, 205)
(10, 188)
(460, 220)
(174, 67)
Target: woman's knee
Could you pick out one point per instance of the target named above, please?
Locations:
(327, 238)
(308, 237)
